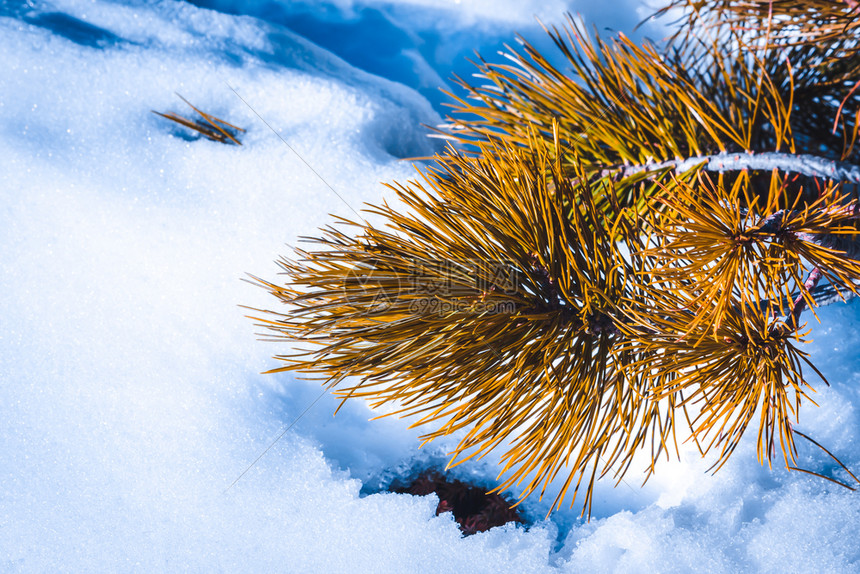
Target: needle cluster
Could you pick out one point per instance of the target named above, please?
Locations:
(593, 274)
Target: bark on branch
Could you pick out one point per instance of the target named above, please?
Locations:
(809, 165)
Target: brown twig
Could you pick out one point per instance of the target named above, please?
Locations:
(842, 105)
(212, 127)
(800, 302)
(831, 455)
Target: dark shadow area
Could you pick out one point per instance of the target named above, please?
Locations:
(416, 46)
(358, 41)
(73, 29)
(425, 58)
(474, 508)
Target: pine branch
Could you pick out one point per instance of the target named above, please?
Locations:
(804, 164)
(600, 259)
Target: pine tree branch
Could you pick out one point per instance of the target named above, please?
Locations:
(800, 303)
(809, 165)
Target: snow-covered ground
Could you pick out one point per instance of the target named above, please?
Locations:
(130, 393)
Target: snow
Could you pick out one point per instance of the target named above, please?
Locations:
(131, 397)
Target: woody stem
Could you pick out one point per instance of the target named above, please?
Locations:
(809, 165)
(800, 302)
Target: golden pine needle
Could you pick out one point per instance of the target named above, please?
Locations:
(560, 291)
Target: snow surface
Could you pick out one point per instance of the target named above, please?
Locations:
(130, 393)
